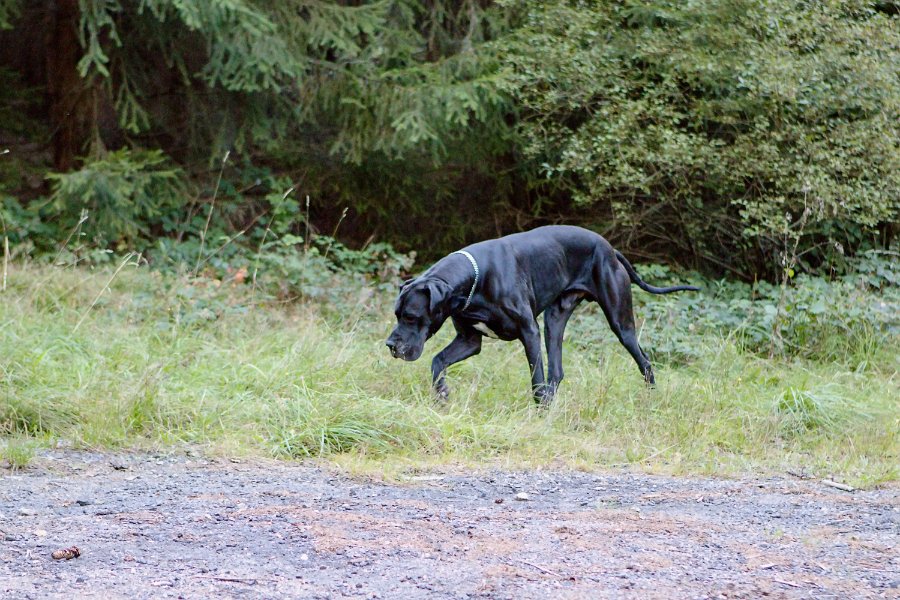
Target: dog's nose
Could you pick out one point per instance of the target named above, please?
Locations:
(392, 346)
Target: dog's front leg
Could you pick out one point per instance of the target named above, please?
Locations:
(464, 345)
(530, 335)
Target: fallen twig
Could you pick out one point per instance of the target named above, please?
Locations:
(870, 567)
(838, 485)
(540, 568)
(781, 581)
(245, 580)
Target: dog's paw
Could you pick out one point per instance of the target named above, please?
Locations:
(441, 392)
(544, 397)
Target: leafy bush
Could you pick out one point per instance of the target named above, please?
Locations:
(22, 226)
(705, 128)
(325, 267)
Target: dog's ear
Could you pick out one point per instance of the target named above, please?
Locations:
(403, 288)
(437, 292)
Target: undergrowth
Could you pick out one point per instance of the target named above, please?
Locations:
(158, 359)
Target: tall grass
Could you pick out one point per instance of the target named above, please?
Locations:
(162, 360)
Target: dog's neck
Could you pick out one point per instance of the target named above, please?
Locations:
(458, 273)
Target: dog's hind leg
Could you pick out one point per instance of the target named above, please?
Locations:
(628, 337)
(555, 319)
(615, 300)
(466, 343)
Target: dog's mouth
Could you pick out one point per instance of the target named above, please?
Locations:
(404, 352)
(407, 356)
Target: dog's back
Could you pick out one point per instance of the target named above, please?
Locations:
(550, 260)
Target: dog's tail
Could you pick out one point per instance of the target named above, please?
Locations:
(635, 278)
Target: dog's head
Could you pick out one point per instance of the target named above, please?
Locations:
(421, 309)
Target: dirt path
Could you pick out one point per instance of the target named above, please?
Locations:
(188, 527)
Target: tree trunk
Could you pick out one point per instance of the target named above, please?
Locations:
(68, 95)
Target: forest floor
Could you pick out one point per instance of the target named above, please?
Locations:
(168, 526)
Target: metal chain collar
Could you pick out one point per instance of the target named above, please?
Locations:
(475, 283)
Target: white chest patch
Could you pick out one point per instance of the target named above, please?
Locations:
(486, 330)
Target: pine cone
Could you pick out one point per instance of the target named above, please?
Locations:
(66, 553)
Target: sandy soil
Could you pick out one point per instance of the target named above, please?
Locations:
(169, 527)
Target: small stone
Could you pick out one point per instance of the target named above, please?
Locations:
(27, 512)
(40, 532)
(522, 497)
(304, 557)
(84, 502)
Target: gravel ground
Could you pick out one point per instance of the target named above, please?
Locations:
(167, 527)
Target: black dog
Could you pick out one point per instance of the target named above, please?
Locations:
(499, 287)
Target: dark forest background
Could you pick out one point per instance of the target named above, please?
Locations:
(719, 135)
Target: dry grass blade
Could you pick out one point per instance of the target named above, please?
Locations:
(5, 260)
(84, 315)
(209, 215)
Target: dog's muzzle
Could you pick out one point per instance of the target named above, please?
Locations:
(394, 348)
(401, 350)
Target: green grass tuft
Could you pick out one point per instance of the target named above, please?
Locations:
(18, 452)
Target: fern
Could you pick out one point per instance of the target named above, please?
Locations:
(123, 195)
